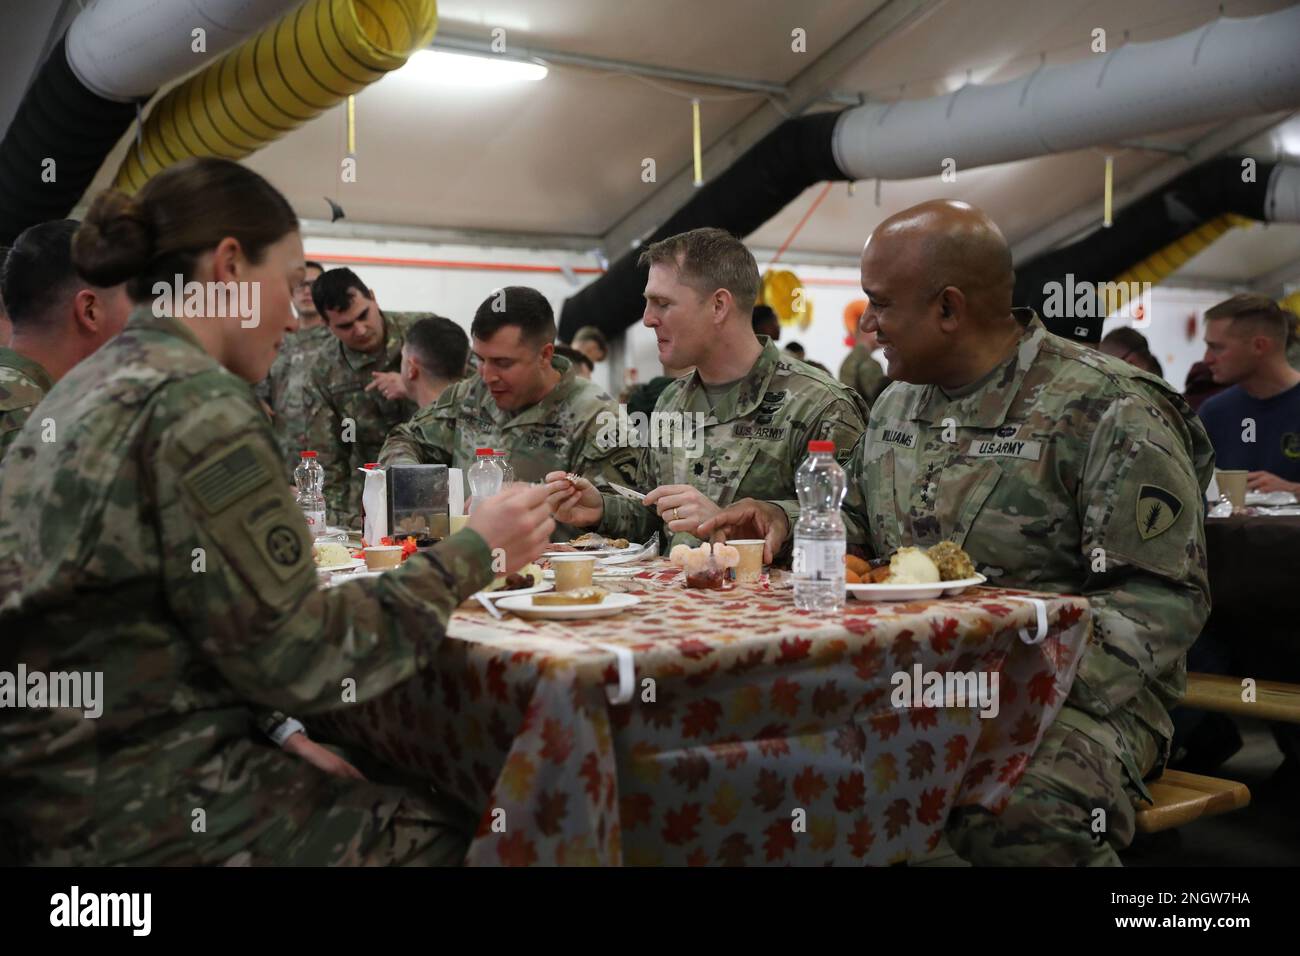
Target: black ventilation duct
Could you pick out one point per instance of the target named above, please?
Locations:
(1144, 227)
(59, 120)
(785, 162)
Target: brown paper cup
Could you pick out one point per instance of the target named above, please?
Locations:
(573, 571)
(382, 557)
(1232, 485)
(750, 569)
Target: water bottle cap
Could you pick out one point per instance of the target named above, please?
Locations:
(483, 452)
(371, 464)
(815, 446)
(306, 454)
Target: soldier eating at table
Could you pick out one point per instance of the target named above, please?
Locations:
(1057, 469)
(525, 399)
(758, 409)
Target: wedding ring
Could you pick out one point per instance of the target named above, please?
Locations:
(675, 514)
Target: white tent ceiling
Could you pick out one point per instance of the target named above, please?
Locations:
(560, 161)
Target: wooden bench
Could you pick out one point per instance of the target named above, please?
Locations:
(1183, 797)
(1273, 700)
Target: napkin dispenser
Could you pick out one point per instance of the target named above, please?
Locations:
(418, 501)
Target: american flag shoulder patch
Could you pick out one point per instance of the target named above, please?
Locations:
(220, 483)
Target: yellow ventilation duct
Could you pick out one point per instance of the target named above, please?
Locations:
(1164, 262)
(289, 73)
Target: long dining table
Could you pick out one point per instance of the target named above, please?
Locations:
(728, 727)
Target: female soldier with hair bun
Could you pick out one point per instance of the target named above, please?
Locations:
(155, 542)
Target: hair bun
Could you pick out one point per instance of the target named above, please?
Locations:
(116, 241)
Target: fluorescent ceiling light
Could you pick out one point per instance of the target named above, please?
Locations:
(466, 69)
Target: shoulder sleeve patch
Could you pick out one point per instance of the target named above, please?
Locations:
(229, 478)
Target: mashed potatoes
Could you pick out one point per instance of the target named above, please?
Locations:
(912, 566)
(330, 553)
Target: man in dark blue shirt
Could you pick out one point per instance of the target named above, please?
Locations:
(1254, 424)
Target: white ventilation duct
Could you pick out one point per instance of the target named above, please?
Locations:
(1228, 69)
(124, 50)
(1282, 202)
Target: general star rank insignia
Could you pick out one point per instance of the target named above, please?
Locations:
(1157, 510)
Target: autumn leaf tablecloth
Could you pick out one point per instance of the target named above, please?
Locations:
(756, 733)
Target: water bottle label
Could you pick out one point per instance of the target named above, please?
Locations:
(818, 560)
(315, 522)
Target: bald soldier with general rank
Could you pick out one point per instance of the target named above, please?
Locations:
(1057, 469)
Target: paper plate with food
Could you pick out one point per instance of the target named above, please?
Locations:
(332, 556)
(592, 543)
(575, 605)
(527, 580)
(912, 574)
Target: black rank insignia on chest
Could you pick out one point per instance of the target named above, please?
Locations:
(1157, 510)
(770, 405)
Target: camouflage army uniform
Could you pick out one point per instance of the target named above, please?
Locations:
(339, 376)
(556, 434)
(754, 438)
(23, 383)
(157, 542)
(863, 374)
(1068, 471)
(286, 390)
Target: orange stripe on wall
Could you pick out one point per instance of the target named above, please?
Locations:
(500, 266)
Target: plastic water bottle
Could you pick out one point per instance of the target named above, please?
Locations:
(485, 477)
(507, 472)
(309, 477)
(819, 533)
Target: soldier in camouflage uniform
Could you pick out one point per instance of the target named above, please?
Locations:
(756, 408)
(536, 409)
(23, 383)
(861, 372)
(286, 388)
(58, 320)
(1057, 469)
(157, 542)
(357, 394)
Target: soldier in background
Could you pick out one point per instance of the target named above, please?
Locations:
(1057, 469)
(591, 342)
(58, 320)
(433, 359)
(860, 371)
(156, 542)
(765, 322)
(358, 393)
(286, 388)
(525, 400)
(758, 407)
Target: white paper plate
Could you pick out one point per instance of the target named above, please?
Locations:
(350, 566)
(1269, 498)
(601, 554)
(334, 580)
(614, 603)
(601, 572)
(535, 589)
(912, 592)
